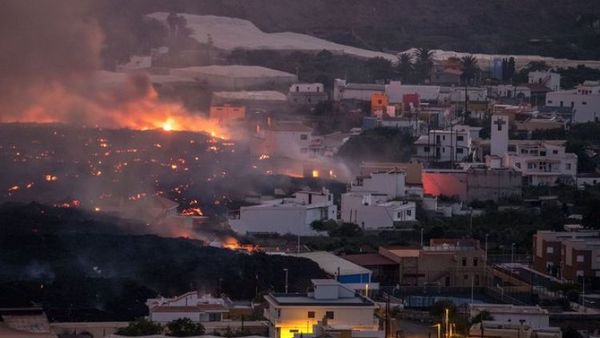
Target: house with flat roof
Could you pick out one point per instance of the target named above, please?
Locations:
(329, 303)
(351, 275)
(192, 305)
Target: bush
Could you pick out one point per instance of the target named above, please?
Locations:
(140, 327)
(185, 327)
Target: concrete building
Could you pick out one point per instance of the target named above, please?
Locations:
(444, 146)
(227, 114)
(329, 302)
(412, 170)
(585, 180)
(372, 211)
(385, 270)
(539, 162)
(567, 254)
(262, 100)
(290, 139)
(584, 101)
(390, 184)
(545, 78)
(236, 77)
(307, 93)
(444, 262)
(520, 93)
(473, 183)
(25, 323)
(342, 90)
(396, 91)
(192, 305)
(510, 330)
(286, 216)
(533, 316)
(351, 275)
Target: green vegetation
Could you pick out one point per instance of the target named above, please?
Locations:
(481, 316)
(185, 327)
(140, 327)
(381, 144)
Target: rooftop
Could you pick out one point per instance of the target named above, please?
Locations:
(259, 95)
(333, 264)
(229, 71)
(369, 259)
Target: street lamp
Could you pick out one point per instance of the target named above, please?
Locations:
(286, 280)
(439, 329)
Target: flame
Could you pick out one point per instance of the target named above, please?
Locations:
(233, 244)
(108, 109)
(192, 212)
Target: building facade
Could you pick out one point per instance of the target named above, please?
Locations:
(584, 101)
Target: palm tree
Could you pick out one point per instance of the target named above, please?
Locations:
(424, 63)
(405, 67)
(470, 69)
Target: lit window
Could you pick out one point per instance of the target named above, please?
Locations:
(580, 258)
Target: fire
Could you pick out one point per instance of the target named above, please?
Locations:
(192, 212)
(142, 110)
(233, 244)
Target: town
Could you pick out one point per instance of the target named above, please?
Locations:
(211, 177)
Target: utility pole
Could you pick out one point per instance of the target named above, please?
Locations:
(286, 280)
(422, 237)
(387, 316)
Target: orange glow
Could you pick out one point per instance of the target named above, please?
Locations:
(315, 173)
(233, 244)
(141, 111)
(192, 212)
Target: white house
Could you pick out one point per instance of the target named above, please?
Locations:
(290, 139)
(307, 93)
(444, 146)
(539, 162)
(192, 305)
(390, 184)
(585, 101)
(351, 275)
(395, 90)
(372, 211)
(584, 180)
(288, 215)
(343, 90)
(533, 316)
(329, 302)
(545, 78)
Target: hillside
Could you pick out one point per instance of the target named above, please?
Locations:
(547, 27)
(84, 266)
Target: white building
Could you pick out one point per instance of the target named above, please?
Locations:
(351, 275)
(390, 184)
(395, 90)
(545, 78)
(236, 77)
(192, 305)
(585, 101)
(287, 139)
(343, 90)
(329, 302)
(444, 146)
(533, 316)
(373, 211)
(541, 162)
(584, 180)
(509, 91)
(288, 215)
(307, 93)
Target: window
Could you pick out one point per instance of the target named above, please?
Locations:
(464, 261)
(580, 258)
(476, 280)
(542, 153)
(584, 103)
(460, 138)
(518, 165)
(443, 149)
(329, 315)
(278, 313)
(459, 150)
(444, 137)
(311, 314)
(475, 261)
(549, 102)
(555, 151)
(568, 166)
(399, 215)
(304, 137)
(466, 277)
(512, 148)
(426, 149)
(408, 212)
(214, 317)
(549, 250)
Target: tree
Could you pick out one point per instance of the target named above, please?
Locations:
(140, 327)
(481, 316)
(185, 327)
(470, 69)
(346, 230)
(380, 68)
(423, 64)
(405, 67)
(328, 225)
